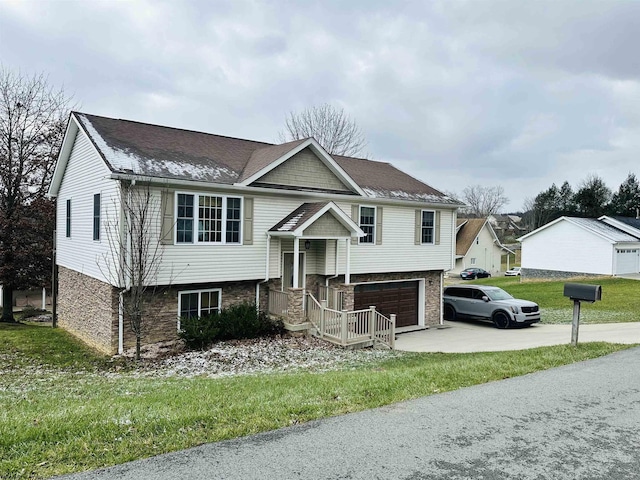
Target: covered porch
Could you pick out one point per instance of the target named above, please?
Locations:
(311, 290)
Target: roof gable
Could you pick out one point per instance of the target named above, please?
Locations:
(152, 151)
(305, 170)
(300, 157)
(590, 225)
(467, 234)
(304, 217)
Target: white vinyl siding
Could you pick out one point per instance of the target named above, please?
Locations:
(86, 174)
(213, 262)
(568, 248)
(483, 253)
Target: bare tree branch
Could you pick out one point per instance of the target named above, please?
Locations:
(32, 123)
(484, 201)
(134, 258)
(331, 127)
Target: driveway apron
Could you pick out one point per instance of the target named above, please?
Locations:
(579, 421)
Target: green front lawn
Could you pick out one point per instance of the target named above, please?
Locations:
(620, 298)
(64, 408)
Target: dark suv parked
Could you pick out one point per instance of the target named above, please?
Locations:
(488, 303)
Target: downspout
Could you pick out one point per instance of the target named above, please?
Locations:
(441, 297)
(266, 273)
(326, 280)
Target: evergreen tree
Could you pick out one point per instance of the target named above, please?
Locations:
(592, 199)
(626, 200)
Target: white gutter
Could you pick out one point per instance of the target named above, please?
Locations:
(198, 185)
(441, 297)
(121, 320)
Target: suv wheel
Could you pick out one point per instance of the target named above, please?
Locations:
(449, 312)
(501, 320)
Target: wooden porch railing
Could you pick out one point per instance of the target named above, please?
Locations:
(333, 296)
(350, 328)
(278, 303)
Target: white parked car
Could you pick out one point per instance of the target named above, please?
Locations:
(513, 272)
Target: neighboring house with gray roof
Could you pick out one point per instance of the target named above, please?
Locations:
(477, 245)
(572, 246)
(232, 215)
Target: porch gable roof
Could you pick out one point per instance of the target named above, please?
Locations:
(294, 224)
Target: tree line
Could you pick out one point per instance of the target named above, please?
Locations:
(592, 199)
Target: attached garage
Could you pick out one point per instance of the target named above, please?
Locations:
(627, 260)
(399, 298)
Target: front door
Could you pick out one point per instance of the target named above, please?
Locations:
(287, 270)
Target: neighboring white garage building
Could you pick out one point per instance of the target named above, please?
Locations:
(571, 246)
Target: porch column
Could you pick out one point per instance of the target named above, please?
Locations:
(347, 268)
(296, 261)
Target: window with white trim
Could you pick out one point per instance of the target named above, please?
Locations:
(217, 219)
(473, 261)
(96, 216)
(428, 226)
(199, 303)
(68, 219)
(368, 224)
(184, 220)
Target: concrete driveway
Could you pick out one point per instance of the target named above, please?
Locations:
(468, 336)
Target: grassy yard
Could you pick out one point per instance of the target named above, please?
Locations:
(65, 409)
(620, 299)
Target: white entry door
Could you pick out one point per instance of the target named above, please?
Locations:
(287, 270)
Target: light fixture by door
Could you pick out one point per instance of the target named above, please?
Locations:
(307, 244)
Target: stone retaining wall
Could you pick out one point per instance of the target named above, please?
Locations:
(534, 273)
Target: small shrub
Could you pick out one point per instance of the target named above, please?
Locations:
(29, 311)
(235, 322)
(198, 332)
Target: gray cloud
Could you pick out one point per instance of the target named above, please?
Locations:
(519, 94)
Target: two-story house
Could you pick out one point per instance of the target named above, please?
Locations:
(243, 220)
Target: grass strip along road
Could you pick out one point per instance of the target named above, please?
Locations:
(65, 409)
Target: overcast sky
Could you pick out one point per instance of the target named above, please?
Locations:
(514, 93)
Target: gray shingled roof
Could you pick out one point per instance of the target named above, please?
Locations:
(603, 229)
(631, 221)
(165, 152)
(296, 218)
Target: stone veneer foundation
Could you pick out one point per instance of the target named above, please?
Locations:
(88, 308)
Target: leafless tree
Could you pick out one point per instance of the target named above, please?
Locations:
(484, 201)
(331, 127)
(134, 257)
(32, 123)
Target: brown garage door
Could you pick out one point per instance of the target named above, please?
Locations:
(400, 298)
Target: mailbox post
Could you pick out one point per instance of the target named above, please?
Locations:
(579, 292)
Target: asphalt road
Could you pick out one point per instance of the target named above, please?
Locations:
(580, 421)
